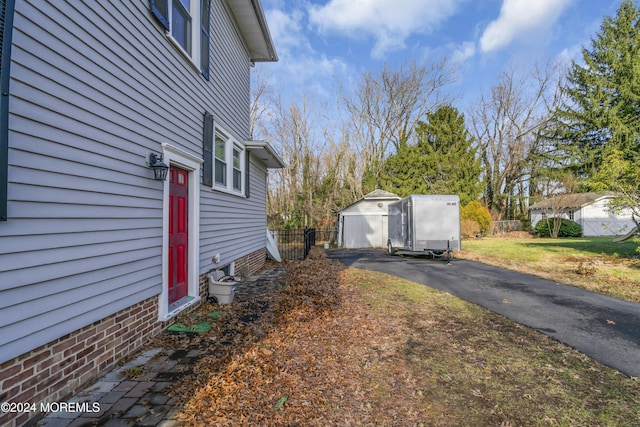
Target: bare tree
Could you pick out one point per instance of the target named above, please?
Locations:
(558, 192)
(296, 130)
(386, 107)
(263, 100)
(322, 172)
(342, 174)
(505, 124)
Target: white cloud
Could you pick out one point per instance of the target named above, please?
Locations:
(299, 65)
(389, 22)
(286, 29)
(463, 52)
(519, 19)
(569, 54)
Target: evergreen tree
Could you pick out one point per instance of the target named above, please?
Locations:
(402, 172)
(602, 108)
(449, 155)
(442, 162)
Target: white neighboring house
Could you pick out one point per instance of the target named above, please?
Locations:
(590, 210)
(364, 224)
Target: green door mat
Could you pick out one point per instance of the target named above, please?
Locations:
(198, 328)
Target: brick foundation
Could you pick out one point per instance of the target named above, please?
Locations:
(249, 264)
(57, 370)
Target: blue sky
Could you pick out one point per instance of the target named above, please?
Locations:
(325, 44)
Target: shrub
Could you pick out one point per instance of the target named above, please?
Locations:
(567, 228)
(478, 213)
(469, 228)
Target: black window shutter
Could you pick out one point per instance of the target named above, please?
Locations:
(160, 9)
(205, 37)
(7, 8)
(247, 174)
(207, 150)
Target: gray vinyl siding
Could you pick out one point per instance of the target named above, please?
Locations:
(230, 66)
(95, 87)
(233, 226)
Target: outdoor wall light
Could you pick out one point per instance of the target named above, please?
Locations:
(159, 168)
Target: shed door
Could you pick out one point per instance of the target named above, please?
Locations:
(178, 233)
(365, 231)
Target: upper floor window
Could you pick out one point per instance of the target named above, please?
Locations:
(187, 24)
(181, 23)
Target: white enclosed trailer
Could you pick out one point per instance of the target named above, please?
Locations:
(425, 224)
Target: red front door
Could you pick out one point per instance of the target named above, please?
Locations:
(178, 233)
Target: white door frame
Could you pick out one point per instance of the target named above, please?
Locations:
(176, 157)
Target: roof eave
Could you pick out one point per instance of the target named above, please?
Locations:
(255, 31)
(265, 152)
(548, 203)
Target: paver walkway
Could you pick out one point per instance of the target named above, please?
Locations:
(144, 401)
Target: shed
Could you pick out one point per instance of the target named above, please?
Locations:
(363, 224)
(590, 210)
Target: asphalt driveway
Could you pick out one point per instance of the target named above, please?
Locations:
(605, 328)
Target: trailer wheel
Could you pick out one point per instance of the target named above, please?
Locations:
(390, 249)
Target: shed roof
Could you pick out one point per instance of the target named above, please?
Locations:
(374, 195)
(381, 194)
(573, 200)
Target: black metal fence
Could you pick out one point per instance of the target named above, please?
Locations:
(296, 243)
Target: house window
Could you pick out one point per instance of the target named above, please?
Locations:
(187, 25)
(228, 269)
(237, 171)
(225, 163)
(228, 163)
(221, 162)
(181, 23)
